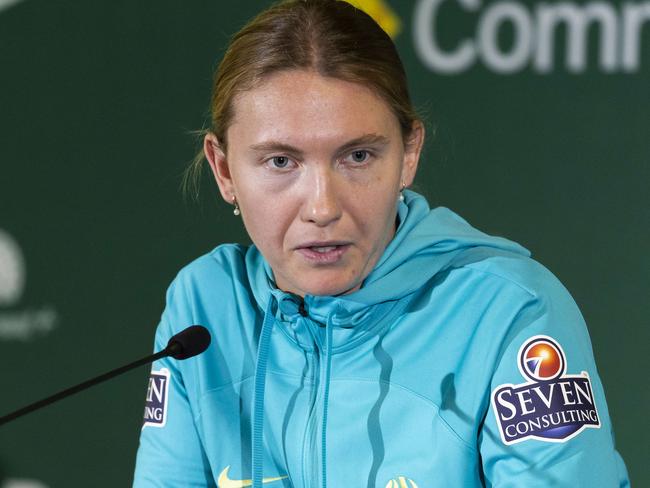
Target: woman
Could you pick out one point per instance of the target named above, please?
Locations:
(364, 339)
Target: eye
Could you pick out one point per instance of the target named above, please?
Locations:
(280, 162)
(359, 156)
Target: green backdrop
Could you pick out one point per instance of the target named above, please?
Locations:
(539, 130)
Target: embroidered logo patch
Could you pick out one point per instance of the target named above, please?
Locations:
(401, 482)
(225, 481)
(551, 406)
(155, 408)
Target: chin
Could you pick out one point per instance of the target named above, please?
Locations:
(330, 289)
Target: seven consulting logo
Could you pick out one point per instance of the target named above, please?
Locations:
(155, 409)
(542, 360)
(552, 406)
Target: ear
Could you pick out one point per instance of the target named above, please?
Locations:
(412, 149)
(219, 165)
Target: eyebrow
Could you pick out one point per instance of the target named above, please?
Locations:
(364, 140)
(274, 146)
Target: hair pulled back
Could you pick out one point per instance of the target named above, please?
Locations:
(330, 37)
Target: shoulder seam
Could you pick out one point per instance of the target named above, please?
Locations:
(505, 278)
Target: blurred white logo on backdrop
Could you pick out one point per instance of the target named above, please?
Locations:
(5, 4)
(23, 483)
(12, 270)
(16, 322)
(536, 29)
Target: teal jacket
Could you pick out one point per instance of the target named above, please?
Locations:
(461, 362)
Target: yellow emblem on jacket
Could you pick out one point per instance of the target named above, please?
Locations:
(401, 482)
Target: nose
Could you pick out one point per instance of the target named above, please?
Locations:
(322, 200)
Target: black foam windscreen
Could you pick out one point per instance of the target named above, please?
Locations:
(189, 342)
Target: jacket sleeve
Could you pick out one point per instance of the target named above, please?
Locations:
(547, 423)
(170, 452)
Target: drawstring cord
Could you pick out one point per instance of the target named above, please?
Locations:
(258, 399)
(328, 368)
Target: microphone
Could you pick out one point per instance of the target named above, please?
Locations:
(186, 344)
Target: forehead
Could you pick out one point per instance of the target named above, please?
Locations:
(303, 106)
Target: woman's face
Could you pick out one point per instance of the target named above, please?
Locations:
(316, 165)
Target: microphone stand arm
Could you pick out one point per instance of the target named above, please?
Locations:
(169, 350)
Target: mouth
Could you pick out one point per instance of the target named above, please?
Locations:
(323, 252)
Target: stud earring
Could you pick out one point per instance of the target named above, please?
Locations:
(401, 193)
(236, 210)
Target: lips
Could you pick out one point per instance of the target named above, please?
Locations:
(322, 249)
(323, 252)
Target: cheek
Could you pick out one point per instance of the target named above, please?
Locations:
(261, 225)
(374, 212)
(378, 194)
(267, 220)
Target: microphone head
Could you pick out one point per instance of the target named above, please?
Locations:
(188, 342)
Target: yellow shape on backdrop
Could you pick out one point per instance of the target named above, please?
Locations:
(382, 13)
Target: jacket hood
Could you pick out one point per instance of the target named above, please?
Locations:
(425, 244)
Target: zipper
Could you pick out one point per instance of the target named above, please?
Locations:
(310, 457)
(311, 448)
